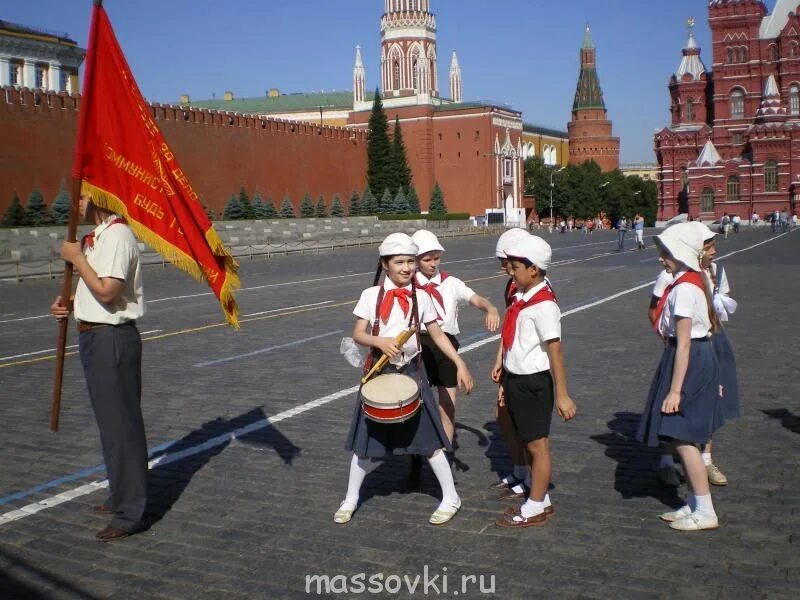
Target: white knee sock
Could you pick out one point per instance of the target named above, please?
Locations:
(706, 458)
(441, 468)
(359, 467)
(704, 505)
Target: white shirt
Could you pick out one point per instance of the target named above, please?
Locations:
(398, 322)
(115, 254)
(535, 325)
(454, 292)
(689, 301)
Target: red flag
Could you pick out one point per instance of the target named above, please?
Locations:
(127, 167)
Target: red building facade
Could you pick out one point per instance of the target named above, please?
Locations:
(734, 142)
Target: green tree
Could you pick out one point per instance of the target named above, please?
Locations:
(337, 210)
(307, 206)
(369, 203)
(287, 209)
(321, 211)
(36, 211)
(61, 205)
(386, 202)
(413, 200)
(233, 210)
(400, 204)
(437, 205)
(401, 172)
(244, 200)
(15, 215)
(257, 206)
(379, 149)
(268, 209)
(354, 205)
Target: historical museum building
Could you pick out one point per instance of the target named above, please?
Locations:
(733, 144)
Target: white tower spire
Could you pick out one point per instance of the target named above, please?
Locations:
(359, 79)
(455, 79)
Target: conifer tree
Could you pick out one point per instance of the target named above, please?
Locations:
(244, 200)
(386, 202)
(15, 215)
(369, 203)
(354, 205)
(413, 200)
(401, 173)
(337, 210)
(379, 149)
(400, 204)
(307, 206)
(36, 211)
(437, 205)
(233, 210)
(287, 209)
(257, 206)
(321, 211)
(61, 205)
(268, 209)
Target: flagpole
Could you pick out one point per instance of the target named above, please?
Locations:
(72, 232)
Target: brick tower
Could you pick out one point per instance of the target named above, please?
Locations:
(590, 135)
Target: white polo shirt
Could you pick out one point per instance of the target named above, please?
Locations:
(115, 254)
(688, 301)
(454, 293)
(535, 325)
(398, 322)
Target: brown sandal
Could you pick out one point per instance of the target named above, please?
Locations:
(516, 519)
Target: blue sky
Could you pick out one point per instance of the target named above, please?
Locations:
(520, 52)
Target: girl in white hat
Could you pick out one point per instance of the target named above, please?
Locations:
(717, 283)
(383, 312)
(447, 293)
(683, 406)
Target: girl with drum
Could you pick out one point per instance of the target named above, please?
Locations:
(383, 313)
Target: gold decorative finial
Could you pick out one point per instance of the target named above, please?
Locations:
(690, 22)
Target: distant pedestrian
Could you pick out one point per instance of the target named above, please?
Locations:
(726, 225)
(638, 229)
(622, 231)
(562, 226)
(737, 221)
(754, 219)
(784, 220)
(775, 221)
(793, 222)
(590, 225)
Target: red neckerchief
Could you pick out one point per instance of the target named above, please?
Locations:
(431, 289)
(512, 312)
(88, 239)
(689, 277)
(402, 295)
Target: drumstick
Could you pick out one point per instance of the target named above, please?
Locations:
(399, 341)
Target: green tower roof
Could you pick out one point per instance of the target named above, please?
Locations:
(588, 94)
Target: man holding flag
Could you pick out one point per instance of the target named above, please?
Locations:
(129, 182)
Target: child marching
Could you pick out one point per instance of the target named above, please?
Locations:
(531, 366)
(382, 313)
(683, 407)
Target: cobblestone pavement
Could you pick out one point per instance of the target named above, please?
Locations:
(243, 509)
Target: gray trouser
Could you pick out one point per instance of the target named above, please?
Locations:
(112, 365)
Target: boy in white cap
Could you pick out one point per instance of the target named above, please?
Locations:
(382, 313)
(532, 365)
(447, 293)
(683, 407)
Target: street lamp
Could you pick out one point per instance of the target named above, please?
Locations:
(553, 172)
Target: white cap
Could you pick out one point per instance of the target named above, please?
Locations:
(533, 249)
(426, 241)
(508, 239)
(704, 230)
(684, 242)
(397, 243)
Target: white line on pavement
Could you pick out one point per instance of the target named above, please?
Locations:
(266, 312)
(2, 358)
(266, 350)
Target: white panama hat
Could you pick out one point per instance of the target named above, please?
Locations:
(704, 230)
(426, 241)
(533, 249)
(508, 239)
(684, 242)
(397, 243)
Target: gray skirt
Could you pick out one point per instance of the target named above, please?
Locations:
(727, 375)
(700, 412)
(422, 434)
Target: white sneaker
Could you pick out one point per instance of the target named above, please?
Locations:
(695, 521)
(345, 512)
(676, 515)
(445, 512)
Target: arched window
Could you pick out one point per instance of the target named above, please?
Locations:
(690, 110)
(737, 103)
(733, 189)
(794, 99)
(395, 74)
(415, 73)
(707, 200)
(413, 5)
(773, 52)
(771, 176)
(742, 54)
(793, 50)
(730, 55)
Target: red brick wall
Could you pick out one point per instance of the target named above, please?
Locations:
(219, 152)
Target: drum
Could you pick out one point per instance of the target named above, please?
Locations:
(390, 398)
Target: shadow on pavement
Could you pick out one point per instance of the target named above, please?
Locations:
(635, 476)
(168, 481)
(12, 586)
(788, 419)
